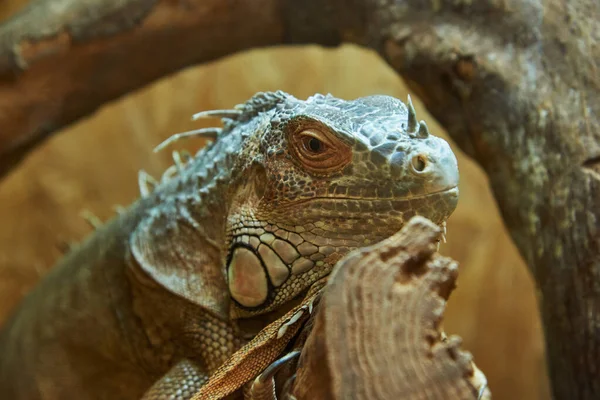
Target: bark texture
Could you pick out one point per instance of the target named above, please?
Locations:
(376, 331)
(515, 83)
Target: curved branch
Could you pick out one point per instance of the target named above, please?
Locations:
(61, 60)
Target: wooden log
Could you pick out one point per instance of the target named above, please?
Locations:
(376, 333)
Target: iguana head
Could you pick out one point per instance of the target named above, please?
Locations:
(316, 179)
(287, 188)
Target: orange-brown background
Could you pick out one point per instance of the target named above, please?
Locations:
(93, 166)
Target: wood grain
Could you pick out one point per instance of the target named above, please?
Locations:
(377, 333)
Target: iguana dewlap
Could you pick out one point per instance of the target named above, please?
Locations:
(227, 239)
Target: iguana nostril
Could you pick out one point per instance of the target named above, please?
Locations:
(419, 163)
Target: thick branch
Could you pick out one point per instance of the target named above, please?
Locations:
(376, 334)
(61, 60)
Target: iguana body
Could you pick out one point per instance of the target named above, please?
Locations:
(175, 283)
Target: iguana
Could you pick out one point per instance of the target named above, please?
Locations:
(229, 240)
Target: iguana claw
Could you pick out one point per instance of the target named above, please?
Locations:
(263, 387)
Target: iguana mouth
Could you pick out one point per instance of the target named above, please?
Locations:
(376, 199)
(416, 197)
(375, 216)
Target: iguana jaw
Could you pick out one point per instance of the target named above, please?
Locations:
(310, 247)
(449, 190)
(323, 206)
(370, 220)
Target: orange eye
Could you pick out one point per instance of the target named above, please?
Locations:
(320, 151)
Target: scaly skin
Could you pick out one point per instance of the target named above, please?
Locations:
(172, 286)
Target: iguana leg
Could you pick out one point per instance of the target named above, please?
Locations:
(211, 341)
(180, 383)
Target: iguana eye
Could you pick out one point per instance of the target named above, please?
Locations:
(313, 145)
(319, 151)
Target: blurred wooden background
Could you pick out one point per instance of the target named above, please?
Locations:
(93, 166)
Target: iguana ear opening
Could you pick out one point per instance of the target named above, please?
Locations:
(180, 259)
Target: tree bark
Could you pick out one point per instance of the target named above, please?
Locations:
(515, 83)
(376, 330)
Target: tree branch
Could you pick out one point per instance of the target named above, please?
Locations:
(61, 60)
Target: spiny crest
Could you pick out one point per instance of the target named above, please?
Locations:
(423, 131)
(260, 102)
(414, 128)
(231, 114)
(412, 117)
(146, 182)
(91, 218)
(211, 133)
